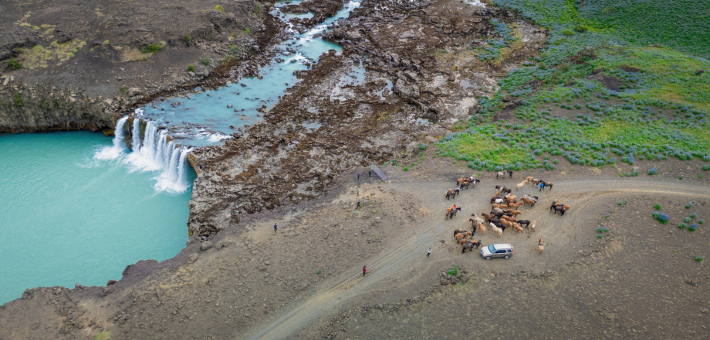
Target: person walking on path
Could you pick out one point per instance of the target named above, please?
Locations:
(275, 227)
(357, 189)
(428, 252)
(542, 185)
(510, 172)
(358, 205)
(369, 174)
(364, 270)
(358, 176)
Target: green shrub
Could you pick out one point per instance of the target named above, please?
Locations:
(152, 48)
(698, 258)
(187, 39)
(257, 10)
(581, 29)
(18, 100)
(454, 272)
(43, 103)
(657, 207)
(19, 50)
(190, 68)
(105, 335)
(406, 168)
(219, 8)
(14, 64)
(205, 61)
(123, 89)
(568, 33)
(247, 31)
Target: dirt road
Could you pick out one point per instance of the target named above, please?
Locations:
(397, 268)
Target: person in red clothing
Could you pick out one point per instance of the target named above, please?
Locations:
(364, 270)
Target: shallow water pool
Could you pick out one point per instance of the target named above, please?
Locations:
(69, 217)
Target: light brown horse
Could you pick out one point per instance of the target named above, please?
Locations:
(539, 246)
(514, 212)
(482, 228)
(515, 205)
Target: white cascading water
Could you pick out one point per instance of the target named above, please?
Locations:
(136, 142)
(153, 153)
(114, 151)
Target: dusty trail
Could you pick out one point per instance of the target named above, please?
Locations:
(393, 268)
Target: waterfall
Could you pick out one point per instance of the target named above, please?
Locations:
(114, 151)
(136, 142)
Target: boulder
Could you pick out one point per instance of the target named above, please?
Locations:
(62, 36)
(134, 91)
(110, 282)
(207, 245)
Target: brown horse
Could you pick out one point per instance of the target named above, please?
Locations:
(499, 206)
(488, 217)
(514, 212)
(527, 201)
(515, 205)
(470, 245)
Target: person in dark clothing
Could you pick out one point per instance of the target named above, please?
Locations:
(510, 172)
(428, 252)
(369, 174)
(275, 227)
(358, 205)
(358, 177)
(364, 270)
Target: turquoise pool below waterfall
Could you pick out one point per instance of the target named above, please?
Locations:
(75, 208)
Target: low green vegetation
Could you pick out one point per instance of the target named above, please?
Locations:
(257, 11)
(205, 61)
(18, 100)
(187, 39)
(152, 48)
(454, 271)
(219, 8)
(123, 89)
(593, 96)
(14, 64)
(190, 68)
(105, 335)
(247, 31)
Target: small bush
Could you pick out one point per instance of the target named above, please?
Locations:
(219, 8)
(190, 68)
(152, 48)
(661, 217)
(406, 168)
(581, 29)
(43, 103)
(698, 258)
(568, 33)
(686, 220)
(706, 167)
(247, 31)
(653, 171)
(692, 227)
(19, 50)
(693, 215)
(318, 272)
(422, 146)
(257, 10)
(123, 89)
(187, 39)
(14, 64)
(600, 236)
(18, 100)
(657, 207)
(682, 226)
(454, 272)
(205, 61)
(689, 205)
(701, 221)
(681, 177)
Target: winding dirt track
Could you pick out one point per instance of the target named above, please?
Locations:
(393, 268)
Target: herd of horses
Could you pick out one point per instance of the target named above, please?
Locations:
(504, 212)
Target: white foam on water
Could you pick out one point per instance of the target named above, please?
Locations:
(116, 150)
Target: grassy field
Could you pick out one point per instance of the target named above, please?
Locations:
(656, 105)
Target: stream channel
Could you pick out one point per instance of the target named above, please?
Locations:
(78, 207)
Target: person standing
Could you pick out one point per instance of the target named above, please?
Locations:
(358, 176)
(275, 227)
(357, 189)
(369, 174)
(428, 252)
(510, 172)
(358, 205)
(542, 185)
(364, 270)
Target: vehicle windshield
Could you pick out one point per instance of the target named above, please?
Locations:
(492, 249)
